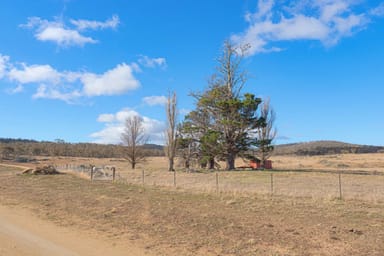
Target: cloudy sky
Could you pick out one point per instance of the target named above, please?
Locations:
(75, 70)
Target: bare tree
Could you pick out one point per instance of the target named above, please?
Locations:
(266, 133)
(171, 139)
(134, 138)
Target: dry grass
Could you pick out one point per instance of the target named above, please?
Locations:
(350, 162)
(175, 222)
(314, 177)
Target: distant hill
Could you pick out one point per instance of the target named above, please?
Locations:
(12, 148)
(12, 140)
(325, 148)
(153, 147)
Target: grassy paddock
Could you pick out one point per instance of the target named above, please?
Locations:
(177, 222)
(313, 178)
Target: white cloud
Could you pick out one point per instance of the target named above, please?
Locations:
(155, 100)
(152, 62)
(47, 92)
(111, 134)
(63, 37)
(184, 111)
(3, 65)
(57, 31)
(324, 21)
(106, 118)
(125, 113)
(68, 85)
(34, 74)
(95, 25)
(378, 11)
(113, 82)
(17, 89)
(114, 127)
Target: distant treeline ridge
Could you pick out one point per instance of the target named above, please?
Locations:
(325, 148)
(11, 148)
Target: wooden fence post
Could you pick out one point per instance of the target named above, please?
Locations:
(92, 170)
(142, 176)
(113, 174)
(174, 178)
(271, 183)
(340, 189)
(217, 182)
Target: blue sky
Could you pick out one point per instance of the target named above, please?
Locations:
(75, 70)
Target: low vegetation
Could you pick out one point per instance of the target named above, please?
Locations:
(325, 148)
(173, 222)
(24, 150)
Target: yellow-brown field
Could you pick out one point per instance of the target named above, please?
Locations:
(362, 176)
(211, 213)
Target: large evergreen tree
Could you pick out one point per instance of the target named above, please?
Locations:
(232, 116)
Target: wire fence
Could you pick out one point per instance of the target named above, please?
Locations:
(288, 183)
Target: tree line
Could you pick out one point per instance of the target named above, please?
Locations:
(20, 148)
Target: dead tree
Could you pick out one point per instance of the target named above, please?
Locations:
(171, 138)
(134, 138)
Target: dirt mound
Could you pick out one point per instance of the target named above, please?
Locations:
(42, 170)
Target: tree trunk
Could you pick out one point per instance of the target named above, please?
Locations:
(171, 165)
(230, 161)
(133, 165)
(211, 162)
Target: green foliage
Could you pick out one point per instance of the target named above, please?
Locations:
(224, 119)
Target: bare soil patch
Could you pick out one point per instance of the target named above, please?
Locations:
(175, 222)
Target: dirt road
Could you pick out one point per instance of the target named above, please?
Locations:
(23, 234)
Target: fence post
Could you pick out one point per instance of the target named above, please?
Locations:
(113, 174)
(142, 176)
(92, 170)
(271, 183)
(340, 189)
(217, 182)
(174, 178)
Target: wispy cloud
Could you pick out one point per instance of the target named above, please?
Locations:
(114, 124)
(106, 118)
(152, 62)
(155, 100)
(3, 65)
(324, 21)
(96, 25)
(17, 89)
(58, 32)
(378, 11)
(48, 92)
